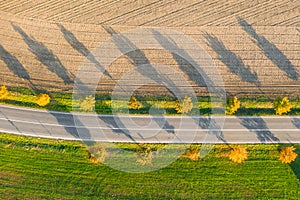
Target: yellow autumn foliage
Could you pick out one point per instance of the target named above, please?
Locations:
(193, 153)
(3, 92)
(144, 155)
(43, 99)
(88, 103)
(282, 105)
(184, 106)
(134, 104)
(287, 154)
(232, 105)
(238, 154)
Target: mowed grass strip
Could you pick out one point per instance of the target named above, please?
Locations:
(64, 102)
(32, 168)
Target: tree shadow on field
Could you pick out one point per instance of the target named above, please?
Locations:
(183, 60)
(270, 50)
(78, 46)
(139, 59)
(13, 64)
(45, 56)
(233, 61)
(264, 135)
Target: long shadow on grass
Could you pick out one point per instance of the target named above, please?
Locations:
(45, 56)
(259, 126)
(254, 111)
(78, 46)
(233, 61)
(271, 51)
(295, 165)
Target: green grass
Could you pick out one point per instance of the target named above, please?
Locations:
(63, 102)
(32, 168)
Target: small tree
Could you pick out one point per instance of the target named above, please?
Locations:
(287, 154)
(193, 153)
(238, 154)
(144, 155)
(185, 105)
(3, 92)
(134, 103)
(97, 152)
(43, 99)
(232, 105)
(87, 104)
(282, 105)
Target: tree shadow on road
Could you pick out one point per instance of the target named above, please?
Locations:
(296, 122)
(213, 128)
(139, 59)
(270, 50)
(68, 122)
(264, 135)
(116, 125)
(79, 46)
(45, 56)
(233, 61)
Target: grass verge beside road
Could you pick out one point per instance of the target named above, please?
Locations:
(63, 102)
(33, 168)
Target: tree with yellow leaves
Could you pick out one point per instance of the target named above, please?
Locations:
(134, 103)
(232, 105)
(287, 154)
(238, 154)
(282, 105)
(97, 152)
(193, 153)
(144, 154)
(88, 103)
(185, 105)
(3, 92)
(43, 99)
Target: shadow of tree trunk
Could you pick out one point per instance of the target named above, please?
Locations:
(270, 50)
(45, 56)
(234, 62)
(78, 46)
(263, 133)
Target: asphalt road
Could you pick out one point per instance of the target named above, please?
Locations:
(149, 129)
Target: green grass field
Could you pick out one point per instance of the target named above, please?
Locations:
(32, 168)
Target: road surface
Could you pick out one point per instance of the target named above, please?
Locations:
(149, 129)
